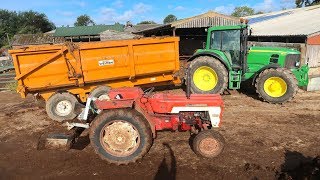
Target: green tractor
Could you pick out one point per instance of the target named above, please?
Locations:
(227, 61)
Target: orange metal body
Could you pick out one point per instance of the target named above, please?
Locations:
(79, 68)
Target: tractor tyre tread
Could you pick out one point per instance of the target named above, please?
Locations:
(217, 66)
(109, 115)
(288, 76)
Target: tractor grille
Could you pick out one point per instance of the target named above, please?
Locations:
(291, 60)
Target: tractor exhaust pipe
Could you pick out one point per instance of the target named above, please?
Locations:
(188, 83)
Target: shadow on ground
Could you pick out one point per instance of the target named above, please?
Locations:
(168, 167)
(297, 166)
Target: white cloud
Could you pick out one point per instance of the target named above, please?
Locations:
(265, 6)
(79, 3)
(110, 15)
(228, 9)
(179, 8)
(118, 4)
(287, 4)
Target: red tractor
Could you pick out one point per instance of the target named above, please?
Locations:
(129, 118)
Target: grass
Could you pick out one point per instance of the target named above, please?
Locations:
(12, 86)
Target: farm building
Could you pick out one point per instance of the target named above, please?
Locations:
(296, 28)
(192, 31)
(79, 34)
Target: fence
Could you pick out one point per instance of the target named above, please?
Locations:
(7, 73)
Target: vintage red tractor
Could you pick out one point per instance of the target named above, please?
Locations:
(129, 118)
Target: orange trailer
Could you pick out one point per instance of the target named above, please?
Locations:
(67, 73)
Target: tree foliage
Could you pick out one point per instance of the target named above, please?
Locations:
(84, 20)
(26, 22)
(169, 19)
(147, 22)
(243, 11)
(301, 3)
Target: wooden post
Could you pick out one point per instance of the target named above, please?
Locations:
(303, 50)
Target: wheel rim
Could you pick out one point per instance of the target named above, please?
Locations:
(275, 87)
(205, 78)
(120, 138)
(209, 146)
(63, 108)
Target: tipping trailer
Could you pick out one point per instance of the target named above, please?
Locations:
(66, 74)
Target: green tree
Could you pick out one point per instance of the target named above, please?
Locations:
(301, 3)
(84, 20)
(33, 22)
(169, 19)
(12, 22)
(147, 22)
(242, 11)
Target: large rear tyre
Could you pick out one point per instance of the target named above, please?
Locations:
(208, 144)
(120, 136)
(61, 107)
(276, 85)
(208, 76)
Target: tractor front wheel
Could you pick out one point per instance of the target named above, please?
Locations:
(208, 76)
(120, 136)
(276, 85)
(208, 144)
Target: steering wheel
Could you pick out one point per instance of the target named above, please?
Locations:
(148, 91)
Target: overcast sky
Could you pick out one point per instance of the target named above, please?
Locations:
(65, 12)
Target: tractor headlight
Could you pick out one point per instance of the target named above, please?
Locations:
(297, 64)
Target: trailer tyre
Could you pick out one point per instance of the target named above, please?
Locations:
(99, 92)
(208, 76)
(120, 136)
(61, 106)
(276, 85)
(208, 144)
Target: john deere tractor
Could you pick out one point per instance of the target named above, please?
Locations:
(227, 61)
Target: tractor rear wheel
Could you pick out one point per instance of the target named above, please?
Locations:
(120, 136)
(61, 106)
(208, 144)
(208, 76)
(276, 85)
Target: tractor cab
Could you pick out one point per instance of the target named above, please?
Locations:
(232, 41)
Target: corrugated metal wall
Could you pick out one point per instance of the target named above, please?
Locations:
(207, 22)
(313, 55)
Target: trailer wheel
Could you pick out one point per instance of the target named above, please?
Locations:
(120, 136)
(276, 85)
(208, 76)
(208, 144)
(100, 92)
(61, 107)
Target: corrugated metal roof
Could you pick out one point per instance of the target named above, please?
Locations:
(293, 22)
(86, 30)
(33, 39)
(206, 20)
(141, 27)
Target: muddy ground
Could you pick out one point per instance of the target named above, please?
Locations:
(263, 141)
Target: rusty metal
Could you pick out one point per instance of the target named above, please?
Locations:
(209, 146)
(120, 138)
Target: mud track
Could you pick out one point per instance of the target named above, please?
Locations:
(264, 141)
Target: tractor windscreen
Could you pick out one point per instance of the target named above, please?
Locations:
(227, 41)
